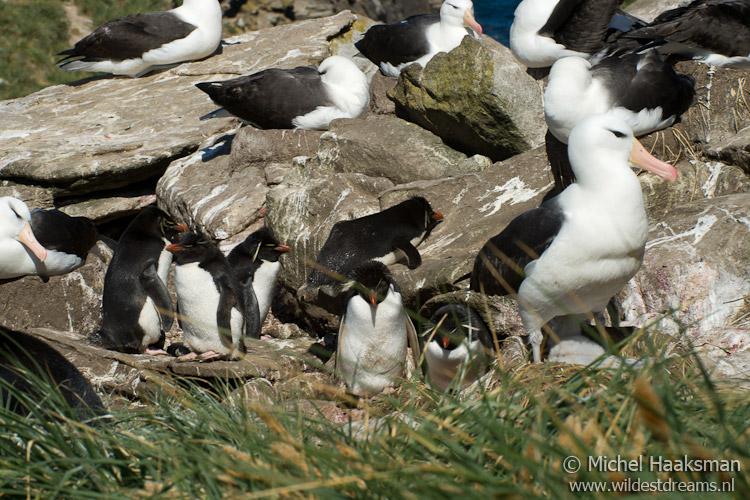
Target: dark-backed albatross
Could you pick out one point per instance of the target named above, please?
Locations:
(139, 43)
(641, 89)
(418, 38)
(571, 254)
(304, 97)
(43, 242)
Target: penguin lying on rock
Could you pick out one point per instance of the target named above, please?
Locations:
(374, 333)
(388, 236)
(137, 310)
(41, 242)
(255, 265)
(209, 299)
(27, 363)
(457, 347)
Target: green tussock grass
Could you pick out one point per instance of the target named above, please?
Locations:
(507, 440)
(33, 31)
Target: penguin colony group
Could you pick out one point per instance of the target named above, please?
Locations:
(610, 79)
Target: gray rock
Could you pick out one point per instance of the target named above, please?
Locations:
(34, 197)
(386, 146)
(695, 281)
(71, 302)
(478, 98)
(104, 132)
(220, 189)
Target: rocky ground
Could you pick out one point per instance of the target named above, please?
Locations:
(466, 132)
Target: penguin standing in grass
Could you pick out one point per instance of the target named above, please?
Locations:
(374, 333)
(255, 265)
(210, 301)
(137, 310)
(457, 345)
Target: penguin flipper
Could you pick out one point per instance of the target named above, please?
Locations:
(413, 259)
(157, 291)
(227, 301)
(253, 321)
(412, 340)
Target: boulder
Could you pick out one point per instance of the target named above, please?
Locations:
(71, 302)
(94, 135)
(220, 189)
(386, 146)
(695, 281)
(478, 98)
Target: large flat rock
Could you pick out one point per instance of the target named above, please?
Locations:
(107, 132)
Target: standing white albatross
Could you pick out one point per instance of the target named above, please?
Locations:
(418, 38)
(571, 254)
(139, 43)
(304, 97)
(641, 89)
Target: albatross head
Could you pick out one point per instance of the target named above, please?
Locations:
(460, 13)
(15, 221)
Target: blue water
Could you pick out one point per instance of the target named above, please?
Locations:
(495, 16)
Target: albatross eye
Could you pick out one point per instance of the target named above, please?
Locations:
(617, 133)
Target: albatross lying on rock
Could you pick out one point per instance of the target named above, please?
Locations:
(304, 97)
(417, 39)
(139, 43)
(570, 255)
(43, 242)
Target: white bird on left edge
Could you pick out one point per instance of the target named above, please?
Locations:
(44, 242)
(571, 254)
(139, 43)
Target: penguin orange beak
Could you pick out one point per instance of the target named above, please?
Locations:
(283, 249)
(174, 247)
(373, 300)
(26, 236)
(437, 216)
(181, 228)
(446, 341)
(471, 22)
(643, 159)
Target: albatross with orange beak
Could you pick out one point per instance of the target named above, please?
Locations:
(417, 39)
(571, 254)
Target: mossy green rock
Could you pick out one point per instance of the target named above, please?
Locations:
(476, 97)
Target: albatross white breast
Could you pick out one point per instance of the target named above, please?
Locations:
(419, 38)
(139, 43)
(570, 255)
(302, 98)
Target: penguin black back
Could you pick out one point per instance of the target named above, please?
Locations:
(137, 273)
(383, 236)
(26, 360)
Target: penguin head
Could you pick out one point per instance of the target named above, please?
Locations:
(170, 229)
(452, 325)
(261, 245)
(431, 218)
(371, 281)
(192, 247)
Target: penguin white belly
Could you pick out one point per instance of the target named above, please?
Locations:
(443, 366)
(398, 255)
(199, 303)
(264, 285)
(149, 319)
(372, 344)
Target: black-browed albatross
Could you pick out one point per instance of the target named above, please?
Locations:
(139, 43)
(304, 97)
(571, 254)
(418, 38)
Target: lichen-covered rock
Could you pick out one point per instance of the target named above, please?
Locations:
(695, 280)
(478, 98)
(71, 302)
